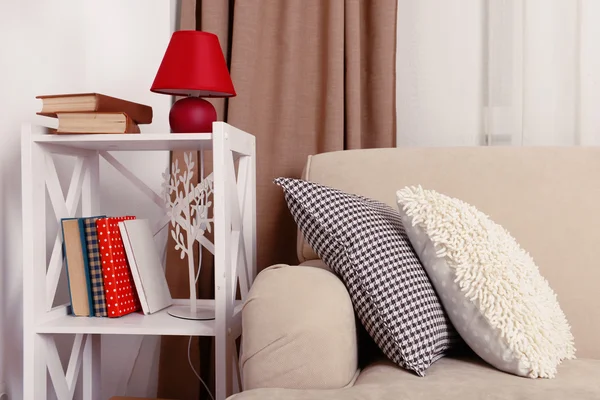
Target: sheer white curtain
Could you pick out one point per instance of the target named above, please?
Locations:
(498, 72)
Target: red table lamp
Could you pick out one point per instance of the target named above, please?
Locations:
(193, 66)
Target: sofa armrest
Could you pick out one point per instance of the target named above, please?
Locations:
(298, 331)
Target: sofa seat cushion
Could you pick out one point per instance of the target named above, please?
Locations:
(453, 378)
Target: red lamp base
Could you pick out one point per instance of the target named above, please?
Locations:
(192, 115)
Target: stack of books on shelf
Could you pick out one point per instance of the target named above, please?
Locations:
(113, 267)
(81, 113)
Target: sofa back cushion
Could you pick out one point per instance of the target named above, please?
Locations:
(547, 198)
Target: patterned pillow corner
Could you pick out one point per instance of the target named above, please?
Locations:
(363, 241)
(519, 328)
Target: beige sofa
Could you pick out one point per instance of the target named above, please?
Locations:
(299, 329)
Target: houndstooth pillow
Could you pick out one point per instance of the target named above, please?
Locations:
(364, 242)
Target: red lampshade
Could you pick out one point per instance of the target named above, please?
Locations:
(193, 65)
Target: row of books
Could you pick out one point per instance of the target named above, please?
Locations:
(113, 267)
(80, 113)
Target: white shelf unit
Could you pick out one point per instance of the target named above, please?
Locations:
(234, 212)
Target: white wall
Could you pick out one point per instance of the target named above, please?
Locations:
(38, 56)
(439, 72)
(55, 46)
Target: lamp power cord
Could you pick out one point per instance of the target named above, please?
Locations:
(190, 341)
(194, 369)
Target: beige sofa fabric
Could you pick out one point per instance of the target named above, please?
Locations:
(318, 263)
(303, 250)
(548, 198)
(452, 378)
(299, 330)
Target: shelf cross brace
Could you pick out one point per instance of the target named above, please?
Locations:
(64, 383)
(63, 208)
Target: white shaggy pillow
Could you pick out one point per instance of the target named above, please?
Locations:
(490, 287)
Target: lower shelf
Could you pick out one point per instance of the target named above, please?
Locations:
(159, 323)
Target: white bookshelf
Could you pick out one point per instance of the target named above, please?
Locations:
(234, 215)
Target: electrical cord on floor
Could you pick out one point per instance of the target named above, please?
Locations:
(194, 369)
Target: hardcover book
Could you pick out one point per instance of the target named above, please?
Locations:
(75, 254)
(94, 265)
(103, 122)
(94, 102)
(119, 288)
(146, 266)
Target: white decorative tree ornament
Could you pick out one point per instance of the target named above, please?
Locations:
(187, 206)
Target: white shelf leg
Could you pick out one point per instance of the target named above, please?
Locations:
(91, 368)
(249, 222)
(223, 287)
(34, 367)
(34, 265)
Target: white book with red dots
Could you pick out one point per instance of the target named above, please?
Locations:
(145, 264)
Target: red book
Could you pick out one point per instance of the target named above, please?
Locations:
(119, 288)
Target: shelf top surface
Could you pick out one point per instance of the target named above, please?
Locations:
(159, 323)
(129, 142)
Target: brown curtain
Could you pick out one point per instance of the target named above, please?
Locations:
(311, 76)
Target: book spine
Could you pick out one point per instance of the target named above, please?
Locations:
(112, 306)
(64, 254)
(121, 298)
(95, 266)
(86, 265)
